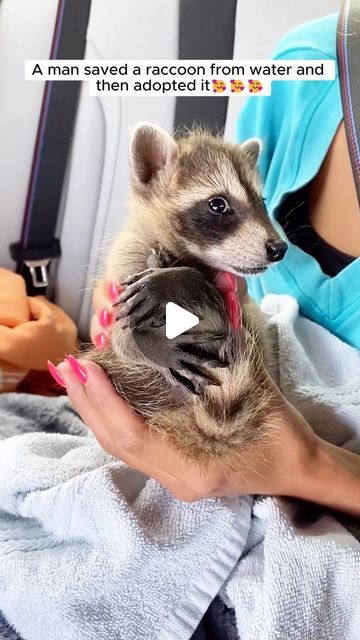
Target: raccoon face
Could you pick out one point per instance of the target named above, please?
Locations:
(231, 233)
(211, 193)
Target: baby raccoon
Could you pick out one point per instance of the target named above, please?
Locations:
(196, 209)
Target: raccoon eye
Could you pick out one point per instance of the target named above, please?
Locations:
(219, 205)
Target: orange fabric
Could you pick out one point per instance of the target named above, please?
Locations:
(32, 331)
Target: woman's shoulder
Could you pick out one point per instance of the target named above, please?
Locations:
(312, 39)
(298, 120)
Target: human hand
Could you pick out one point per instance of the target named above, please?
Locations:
(294, 462)
(276, 468)
(103, 300)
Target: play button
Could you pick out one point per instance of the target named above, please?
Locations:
(178, 320)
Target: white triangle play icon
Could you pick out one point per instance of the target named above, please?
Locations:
(178, 320)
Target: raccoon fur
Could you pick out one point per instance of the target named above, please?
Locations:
(196, 208)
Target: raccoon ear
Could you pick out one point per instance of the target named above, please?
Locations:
(252, 149)
(151, 151)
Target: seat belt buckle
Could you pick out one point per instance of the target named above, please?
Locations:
(39, 272)
(37, 261)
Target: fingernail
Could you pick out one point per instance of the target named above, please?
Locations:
(232, 281)
(101, 341)
(77, 369)
(105, 318)
(234, 310)
(226, 281)
(113, 291)
(55, 374)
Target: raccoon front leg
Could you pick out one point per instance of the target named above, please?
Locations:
(146, 295)
(186, 357)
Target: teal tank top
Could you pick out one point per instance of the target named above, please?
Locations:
(296, 125)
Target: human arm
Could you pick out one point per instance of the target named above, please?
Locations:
(294, 462)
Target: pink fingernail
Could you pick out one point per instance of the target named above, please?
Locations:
(234, 310)
(225, 281)
(232, 281)
(56, 374)
(101, 341)
(77, 369)
(105, 318)
(113, 291)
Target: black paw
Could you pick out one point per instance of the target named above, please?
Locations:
(147, 293)
(190, 357)
(194, 355)
(141, 304)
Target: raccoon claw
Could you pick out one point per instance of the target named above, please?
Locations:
(141, 313)
(133, 279)
(141, 310)
(196, 354)
(130, 306)
(194, 379)
(190, 371)
(134, 285)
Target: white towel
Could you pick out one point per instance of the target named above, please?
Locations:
(90, 549)
(299, 577)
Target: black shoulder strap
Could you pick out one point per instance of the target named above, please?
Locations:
(38, 244)
(348, 53)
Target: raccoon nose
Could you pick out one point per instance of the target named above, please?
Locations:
(275, 250)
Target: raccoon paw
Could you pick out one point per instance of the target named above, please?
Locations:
(146, 294)
(135, 278)
(194, 355)
(187, 363)
(141, 309)
(159, 258)
(188, 358)
(194, 381)
(197, 350)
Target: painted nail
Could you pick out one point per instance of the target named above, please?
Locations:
(113, 291)
(56, 374)
(234, 310)
(232, 281)
(77, 369)
(225, 281)
(101, 341)
(105, 318)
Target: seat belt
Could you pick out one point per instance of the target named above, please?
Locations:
(348, 54)
(38, 244)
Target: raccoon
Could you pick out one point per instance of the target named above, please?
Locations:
(196, 209)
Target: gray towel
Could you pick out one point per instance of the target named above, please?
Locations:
(299, 577)
(90, 549)
(23, 413)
